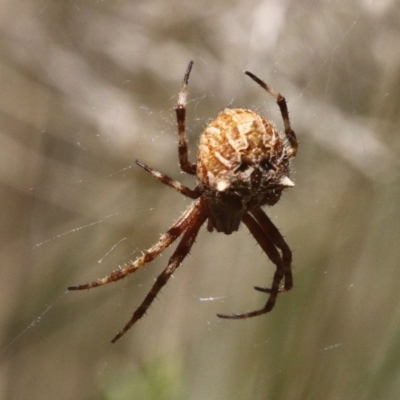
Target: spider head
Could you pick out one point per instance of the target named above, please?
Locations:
(228, 202)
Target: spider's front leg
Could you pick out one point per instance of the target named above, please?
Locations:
(281, 270)
(197, 218)
(273, 233)
(165, 241)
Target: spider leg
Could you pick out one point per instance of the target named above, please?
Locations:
(184, 221)
(268, 246)
(180, 110)
(273, 233)
(284, 111)
(182, 250)
(193, 194)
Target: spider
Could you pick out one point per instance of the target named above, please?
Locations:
(242, 165)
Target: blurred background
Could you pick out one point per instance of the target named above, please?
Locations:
(89, 86)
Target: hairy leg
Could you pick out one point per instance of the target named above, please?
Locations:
(180, 110)
(185, 220)
(291, 136)
(176, 259)
(273, 233)
(193, 194)
(273, 254)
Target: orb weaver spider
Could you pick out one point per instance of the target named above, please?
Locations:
(242, 164)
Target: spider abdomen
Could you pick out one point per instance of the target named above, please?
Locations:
(242, 163)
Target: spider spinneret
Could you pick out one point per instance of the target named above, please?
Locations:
(242, 165)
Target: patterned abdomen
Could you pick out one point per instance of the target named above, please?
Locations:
(241, 163)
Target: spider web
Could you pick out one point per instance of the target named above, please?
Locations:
(87, 88)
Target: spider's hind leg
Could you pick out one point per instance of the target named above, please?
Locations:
(280, 100)
(180, 110)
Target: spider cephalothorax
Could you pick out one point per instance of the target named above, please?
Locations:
(242, 165)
